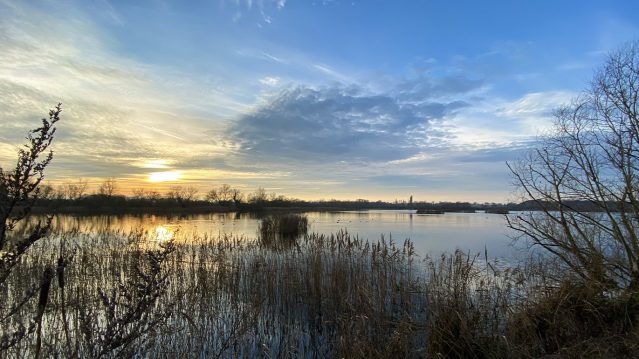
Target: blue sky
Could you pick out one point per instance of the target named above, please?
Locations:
(312, 99)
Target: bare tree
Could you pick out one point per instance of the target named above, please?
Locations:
(190, 193)
(236, 196)
(259, 196)
(225, 193)
(175, 193)
(212, 195)
(182, 194)
(139, 193)
(584, 179)
(47, 191)
(76, 190)
(108, 188)
(152, 195)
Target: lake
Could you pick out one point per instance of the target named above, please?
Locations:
(431, 234)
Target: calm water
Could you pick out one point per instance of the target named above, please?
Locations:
(431, 234)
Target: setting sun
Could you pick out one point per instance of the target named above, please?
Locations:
(164, 176)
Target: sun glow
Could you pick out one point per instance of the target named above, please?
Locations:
(164, 176)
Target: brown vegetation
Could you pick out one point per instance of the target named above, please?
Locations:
(282, 230)
(330, 296)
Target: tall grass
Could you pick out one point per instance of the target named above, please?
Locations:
(124, 294)
(128, 294)
(282, 231)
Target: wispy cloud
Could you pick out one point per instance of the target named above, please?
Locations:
(270, 81)
(111, 12)
(273, 58)
(116, 110)
(261, 8)
(334, 74)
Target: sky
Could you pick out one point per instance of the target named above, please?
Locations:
(310, 99)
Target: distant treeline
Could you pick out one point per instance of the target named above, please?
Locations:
(96, 203)
(73, 198)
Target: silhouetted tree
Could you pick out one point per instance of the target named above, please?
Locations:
(259, 196)
(139, 193)
(236, 196)
(108, 188)
(19, 189)
(47, 191)
(77, 190)
(211, 195)
(182, 194)
(224, 195)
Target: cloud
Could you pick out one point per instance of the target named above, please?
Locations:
(116, 111)
(326, 70)
(340, 124)
(270, 57)
(111, 12)
(262, 10)
(537, 104)
(270, 81)
(495, 122)
(433, 87)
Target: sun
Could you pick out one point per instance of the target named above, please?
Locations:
(165, 176)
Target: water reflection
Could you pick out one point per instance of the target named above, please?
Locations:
(163, 234)
(431, 234)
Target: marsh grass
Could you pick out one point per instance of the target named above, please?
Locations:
(117, 294)
(283, 230)
(122, 294)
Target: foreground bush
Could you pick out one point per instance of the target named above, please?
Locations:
(576, 320)
(19, 189)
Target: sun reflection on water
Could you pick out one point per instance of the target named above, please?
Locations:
(163, 234)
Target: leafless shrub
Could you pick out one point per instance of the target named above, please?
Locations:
(127, 311)
(19, 189)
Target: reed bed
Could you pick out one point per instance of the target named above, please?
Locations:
(115, 294)
(124, 294)
(282, 231)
